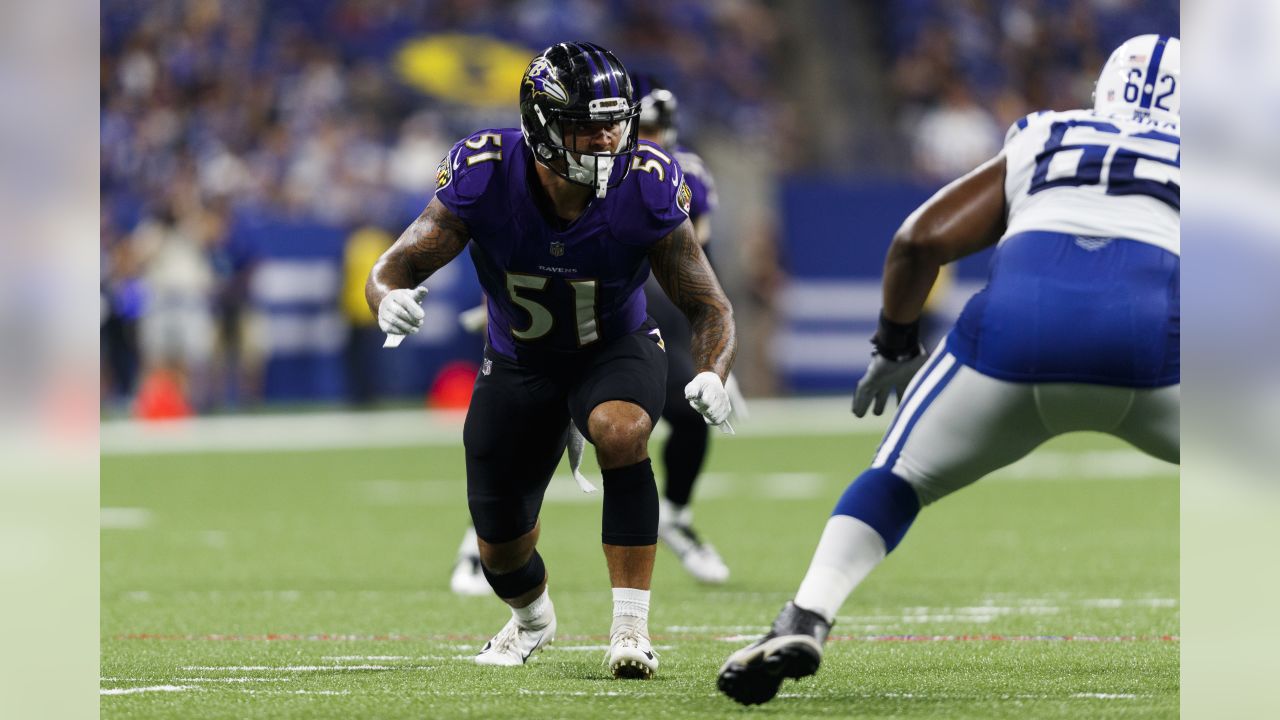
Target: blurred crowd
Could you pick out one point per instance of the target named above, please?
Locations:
(962, 71)
(215, 113)
(219, 114)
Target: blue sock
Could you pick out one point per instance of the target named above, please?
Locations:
(882, 500)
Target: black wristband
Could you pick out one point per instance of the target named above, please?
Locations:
(896, 341)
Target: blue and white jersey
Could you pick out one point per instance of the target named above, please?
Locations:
(1084, 285)
(1084, 173)
(1078, 326)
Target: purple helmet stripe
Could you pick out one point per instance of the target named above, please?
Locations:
(591, 63)
(613, 79)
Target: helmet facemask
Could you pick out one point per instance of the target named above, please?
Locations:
(567, 135)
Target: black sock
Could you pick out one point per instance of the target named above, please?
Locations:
(682, 458)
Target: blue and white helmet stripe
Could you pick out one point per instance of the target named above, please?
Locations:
(1153, 72)
(1142, 77)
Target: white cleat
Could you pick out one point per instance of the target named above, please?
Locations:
(514, 644)
(468, 579)
(630, 653)
(699, 559)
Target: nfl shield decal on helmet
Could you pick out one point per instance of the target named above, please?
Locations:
(684, 196)
(557, 249)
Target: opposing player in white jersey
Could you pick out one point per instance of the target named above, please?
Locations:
(1077, 329)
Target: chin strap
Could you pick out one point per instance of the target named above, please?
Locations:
(604, 168)
(593, 170)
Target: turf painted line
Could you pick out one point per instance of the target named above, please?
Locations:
(595, 648)
(368, 658)
(933, 697)
(203, 680)
(978, 638)
(789, 486)
(1123, 602)
(1088, 465)
(147, 689)
(592, 642)
(584, 693)
(1045, 466)
(295, 692)
(124, 518)
(1010, 603)
(406, 428)
(717, 629)
(406, 492)
(300, 668)
(561, 693)
(233, 680)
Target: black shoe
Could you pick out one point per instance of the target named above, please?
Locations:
(791, 649)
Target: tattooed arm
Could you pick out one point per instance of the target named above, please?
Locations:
(427, 245)
(684, 273)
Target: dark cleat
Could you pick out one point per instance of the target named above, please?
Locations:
(791, 649)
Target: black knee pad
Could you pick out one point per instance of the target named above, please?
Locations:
(630, 506)
(500, 519)
(518, 581)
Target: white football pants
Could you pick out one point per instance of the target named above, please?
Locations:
(956, 425)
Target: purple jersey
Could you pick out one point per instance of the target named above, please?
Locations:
(549, 288)
(700, 182)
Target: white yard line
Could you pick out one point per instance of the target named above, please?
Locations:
(124, 518)
(1087, 465)
(299, 668)
(401, 428)
(249, 691)
(948, 696)
(205, 680)
(1045, 466)
(367, 658)
(821, 416)
(147, 689)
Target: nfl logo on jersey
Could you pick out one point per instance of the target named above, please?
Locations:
(557, 249)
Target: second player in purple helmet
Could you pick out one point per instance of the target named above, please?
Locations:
(685, 449)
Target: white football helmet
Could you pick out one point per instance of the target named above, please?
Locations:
(1142, 77)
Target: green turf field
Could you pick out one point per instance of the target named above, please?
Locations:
(315, 584)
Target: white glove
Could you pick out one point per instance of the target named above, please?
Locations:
(882, 376)
(707, 395)
(400, 312)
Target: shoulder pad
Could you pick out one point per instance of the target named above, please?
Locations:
(464, 174)
(665, 196)
(1022, 124)
(660, 178)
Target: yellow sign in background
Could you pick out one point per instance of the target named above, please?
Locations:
(470, 69)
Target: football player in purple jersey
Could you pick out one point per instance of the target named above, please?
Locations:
(564, 220)
(686, 446)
